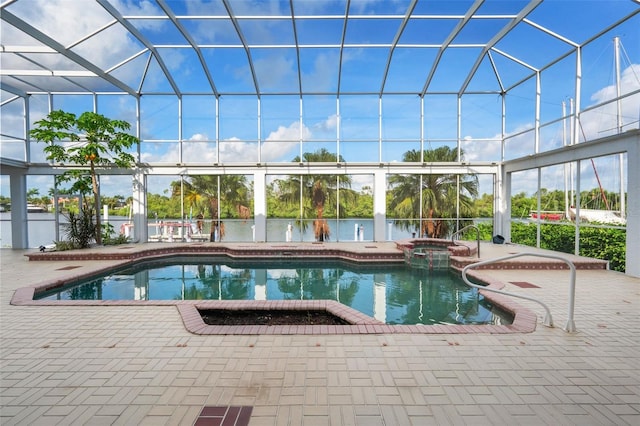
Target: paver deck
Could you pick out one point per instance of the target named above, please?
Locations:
(139, 365)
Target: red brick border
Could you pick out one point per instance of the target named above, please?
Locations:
(524, 320)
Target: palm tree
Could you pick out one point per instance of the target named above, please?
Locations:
(235, 191)
(313, 283)
(316, 191)
(440, 193)
(201, 193)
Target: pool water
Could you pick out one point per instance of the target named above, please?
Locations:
(392, 293)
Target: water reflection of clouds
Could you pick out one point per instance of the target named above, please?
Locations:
(282, 273)
(118, 287)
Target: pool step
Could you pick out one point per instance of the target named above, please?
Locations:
(430, 259)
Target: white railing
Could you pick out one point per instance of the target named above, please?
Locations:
(459, 231)
(548, 320)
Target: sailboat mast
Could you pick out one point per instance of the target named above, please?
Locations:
(616, 50)
(567, 166)
(602, 193)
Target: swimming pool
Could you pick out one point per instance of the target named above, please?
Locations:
(391, 293)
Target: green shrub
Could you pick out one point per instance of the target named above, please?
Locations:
(605, 244)
(110, 238)
(64, 245)
(81, 229)
(598, 243)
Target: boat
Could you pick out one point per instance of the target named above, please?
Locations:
(542, 215)
(610, 217)
(32, 208)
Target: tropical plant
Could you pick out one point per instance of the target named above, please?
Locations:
(600, 243)
(32, 195)
(213, 282)
(80, 229)
(110, 238)
(309, 283)
(439, 194)
(200, 193)
(91, 141)
(63, 245)
(317, 193)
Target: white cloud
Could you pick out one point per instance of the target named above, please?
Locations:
(276, 72)
(593, 124)
(358, 181)
(324, 74)
(234, 150)
(199, 137)
(203, 30)
(517, 146)
(329, 124)
(68, 24)
(281, 145)
(629, 81)
(199, 152)
(276, 274)
(61, 19)
(603, 121)
(366, 6)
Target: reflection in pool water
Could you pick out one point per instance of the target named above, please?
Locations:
(394, 294)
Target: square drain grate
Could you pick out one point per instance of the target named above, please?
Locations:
(224, 415)
(523, 284)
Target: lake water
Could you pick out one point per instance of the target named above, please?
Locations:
(394, 294)
(42, 229)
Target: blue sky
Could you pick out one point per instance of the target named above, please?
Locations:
(362, 69)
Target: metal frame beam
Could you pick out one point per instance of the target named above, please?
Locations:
(165, 7)
(608, 145)
(137, 34)
(447, 42)
(503, 32)
(48, 41)
(245, 45)
(395, 41)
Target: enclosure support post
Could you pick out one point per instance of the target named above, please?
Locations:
(379, 205)
(19, 228)
(139, 207)
(260, 205)
(633, 208)
(502, 204)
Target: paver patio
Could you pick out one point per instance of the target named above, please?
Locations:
(139, 365)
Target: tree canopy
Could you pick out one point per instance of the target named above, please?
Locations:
(91, 141)
(432, 196)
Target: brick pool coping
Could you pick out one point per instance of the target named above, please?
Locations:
(462, 253)
(371, 252)
(524, 319)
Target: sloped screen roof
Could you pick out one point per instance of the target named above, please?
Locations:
(292, 46)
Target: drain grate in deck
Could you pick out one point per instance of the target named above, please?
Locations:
(523, 284)
(224, 415)
(67, 268)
